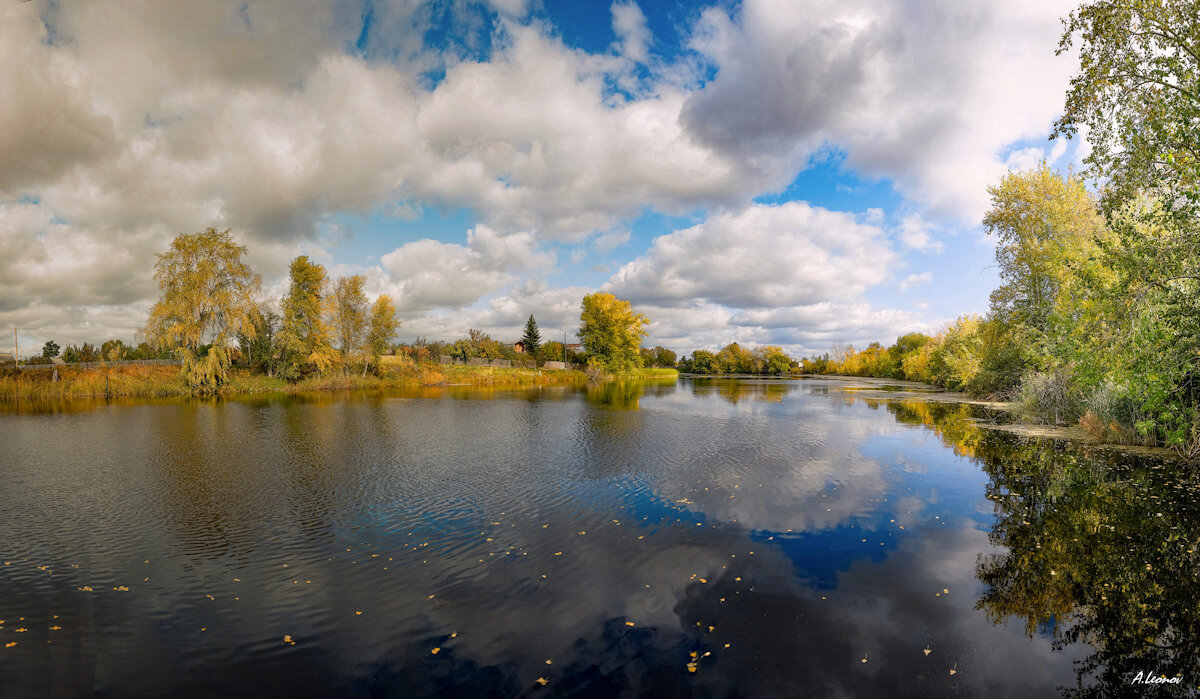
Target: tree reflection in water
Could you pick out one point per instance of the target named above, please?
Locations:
(1099, 548)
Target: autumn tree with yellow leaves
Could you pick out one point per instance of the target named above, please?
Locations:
(206, 292)
(611, 333)
(305, 338)
(206, 295)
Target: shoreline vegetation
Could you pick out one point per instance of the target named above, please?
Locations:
(169, 381)
(322, 334)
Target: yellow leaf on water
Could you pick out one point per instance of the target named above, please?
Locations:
(453, 635)
(629, 623)
(55, 628)
(10, 644)
(435, 651)
(927, 651)
(288, 640)
(543, 681)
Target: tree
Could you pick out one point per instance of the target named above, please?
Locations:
(532, 339)
(611, 332)
(50, 349)
(1138, 94)
(348, 316)
(205, 290)
(1047, 227)
(663, 357)
(260, 349)
(304, 338)
(382, 328)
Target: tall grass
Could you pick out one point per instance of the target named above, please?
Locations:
(107, 382)
(1050, 397)
(159, 381)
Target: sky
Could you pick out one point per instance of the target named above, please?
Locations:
(771, 172)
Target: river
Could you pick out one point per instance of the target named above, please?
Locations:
(705, 537)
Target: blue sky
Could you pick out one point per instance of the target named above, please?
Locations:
(767, 171)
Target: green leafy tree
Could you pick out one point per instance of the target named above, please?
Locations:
(664, 357)
(348, 315)
(50, 349)
(382, 328)
(260, 348)
(305, 340)
(532, 339)
(1138, 93)
(611, 333)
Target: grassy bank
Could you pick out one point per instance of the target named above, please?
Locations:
(162, 381)
(654, 373)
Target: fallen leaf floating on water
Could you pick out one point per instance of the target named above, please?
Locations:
(10, 644)
(58, 628)
(954, 669)
(435, 651)
(358, 613)
(629, 623)
(121, 588)
(288, 640)
(548, 662)
(864, 658)
(453, 635)
(926, 651)
(543, 681)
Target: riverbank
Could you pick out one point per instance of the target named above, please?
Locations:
(1016, 422)
(167, 381)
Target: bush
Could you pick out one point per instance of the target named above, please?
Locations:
(1050, 396)
(1113, 413)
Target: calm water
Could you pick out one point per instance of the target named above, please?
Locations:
(706, 538)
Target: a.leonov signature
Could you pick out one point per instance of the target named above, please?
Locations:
(1150, 678)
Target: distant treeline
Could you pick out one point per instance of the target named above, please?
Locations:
(735, 359)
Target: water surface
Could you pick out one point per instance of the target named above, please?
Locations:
(707, 537)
